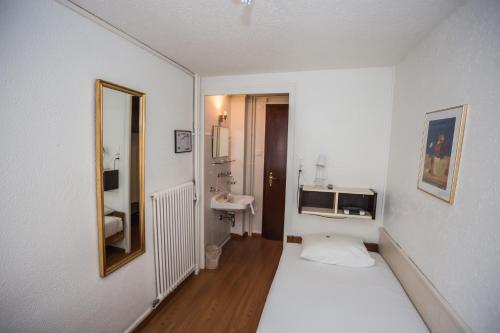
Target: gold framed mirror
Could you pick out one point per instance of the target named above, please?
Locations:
(120, 142)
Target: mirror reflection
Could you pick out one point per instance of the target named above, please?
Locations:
(220, 142)
(121, 220)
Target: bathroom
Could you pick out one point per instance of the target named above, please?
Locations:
(234, 162)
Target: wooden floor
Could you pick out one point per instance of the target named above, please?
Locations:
(115, 254)
(229, 299)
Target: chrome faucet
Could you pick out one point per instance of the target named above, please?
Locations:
(216, 189)
(224, 174)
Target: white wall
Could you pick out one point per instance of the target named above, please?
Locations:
(456, 246)
(344, 114)
(116, 133)
(49, 61)
(116, 120)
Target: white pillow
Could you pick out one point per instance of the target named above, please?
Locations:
(108, 210)
(336, 250)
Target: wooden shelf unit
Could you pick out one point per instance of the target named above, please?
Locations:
(330, 202)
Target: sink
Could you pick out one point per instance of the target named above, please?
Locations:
(232, 202)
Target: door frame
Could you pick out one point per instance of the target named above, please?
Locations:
(265, 177)
(243, 89)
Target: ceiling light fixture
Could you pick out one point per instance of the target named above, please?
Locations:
(246, 2)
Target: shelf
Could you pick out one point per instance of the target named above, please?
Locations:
(311, 188)
(319, 211)
(222, 162)
(349, 190)
(327, 212)
(326, 202)
(367, 216)
(353, 190)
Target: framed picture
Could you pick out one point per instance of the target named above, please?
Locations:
(441, 150)
(183, 141)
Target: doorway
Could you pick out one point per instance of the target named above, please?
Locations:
(274, 178)
(266, 144)
(251, 134)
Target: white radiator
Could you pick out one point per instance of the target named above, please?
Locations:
(174, 237)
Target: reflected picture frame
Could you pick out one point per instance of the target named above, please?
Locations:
(442, 142)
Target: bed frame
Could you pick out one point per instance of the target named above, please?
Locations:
(119, 235)
(430, 304)
(432, 307)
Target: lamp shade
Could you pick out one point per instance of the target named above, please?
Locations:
(321, 160)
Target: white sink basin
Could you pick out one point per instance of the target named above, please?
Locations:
(231, 202)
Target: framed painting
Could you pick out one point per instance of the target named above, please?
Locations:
(183, 141)
(441, 150)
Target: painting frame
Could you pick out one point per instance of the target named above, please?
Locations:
(442, 141)
(183, 141)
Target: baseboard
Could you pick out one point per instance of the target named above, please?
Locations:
(151, 312)
(245, 234)
(436, 312)
(139, 320)
(228, 237)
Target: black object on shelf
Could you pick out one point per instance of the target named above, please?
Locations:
(353, 210)
(356, 202)
(111, 180)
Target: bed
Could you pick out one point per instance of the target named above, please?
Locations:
(307, 296)
(113, 227)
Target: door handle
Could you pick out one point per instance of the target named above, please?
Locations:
(271, 178)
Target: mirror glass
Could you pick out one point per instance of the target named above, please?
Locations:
(220, 142)
(120, 175)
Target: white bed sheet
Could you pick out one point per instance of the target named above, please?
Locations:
(307, 296)
(112, 225)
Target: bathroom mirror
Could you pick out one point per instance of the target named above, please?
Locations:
(220, 142)
(120, 115)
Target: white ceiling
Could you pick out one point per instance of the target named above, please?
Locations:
(216, 37)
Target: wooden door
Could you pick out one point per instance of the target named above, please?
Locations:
(273, 211)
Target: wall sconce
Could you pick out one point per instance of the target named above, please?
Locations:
(222, 117)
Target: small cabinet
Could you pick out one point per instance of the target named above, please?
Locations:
(110, 180)
(338, 202)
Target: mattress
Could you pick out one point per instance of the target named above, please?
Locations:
(307, 296)
(112, 225)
